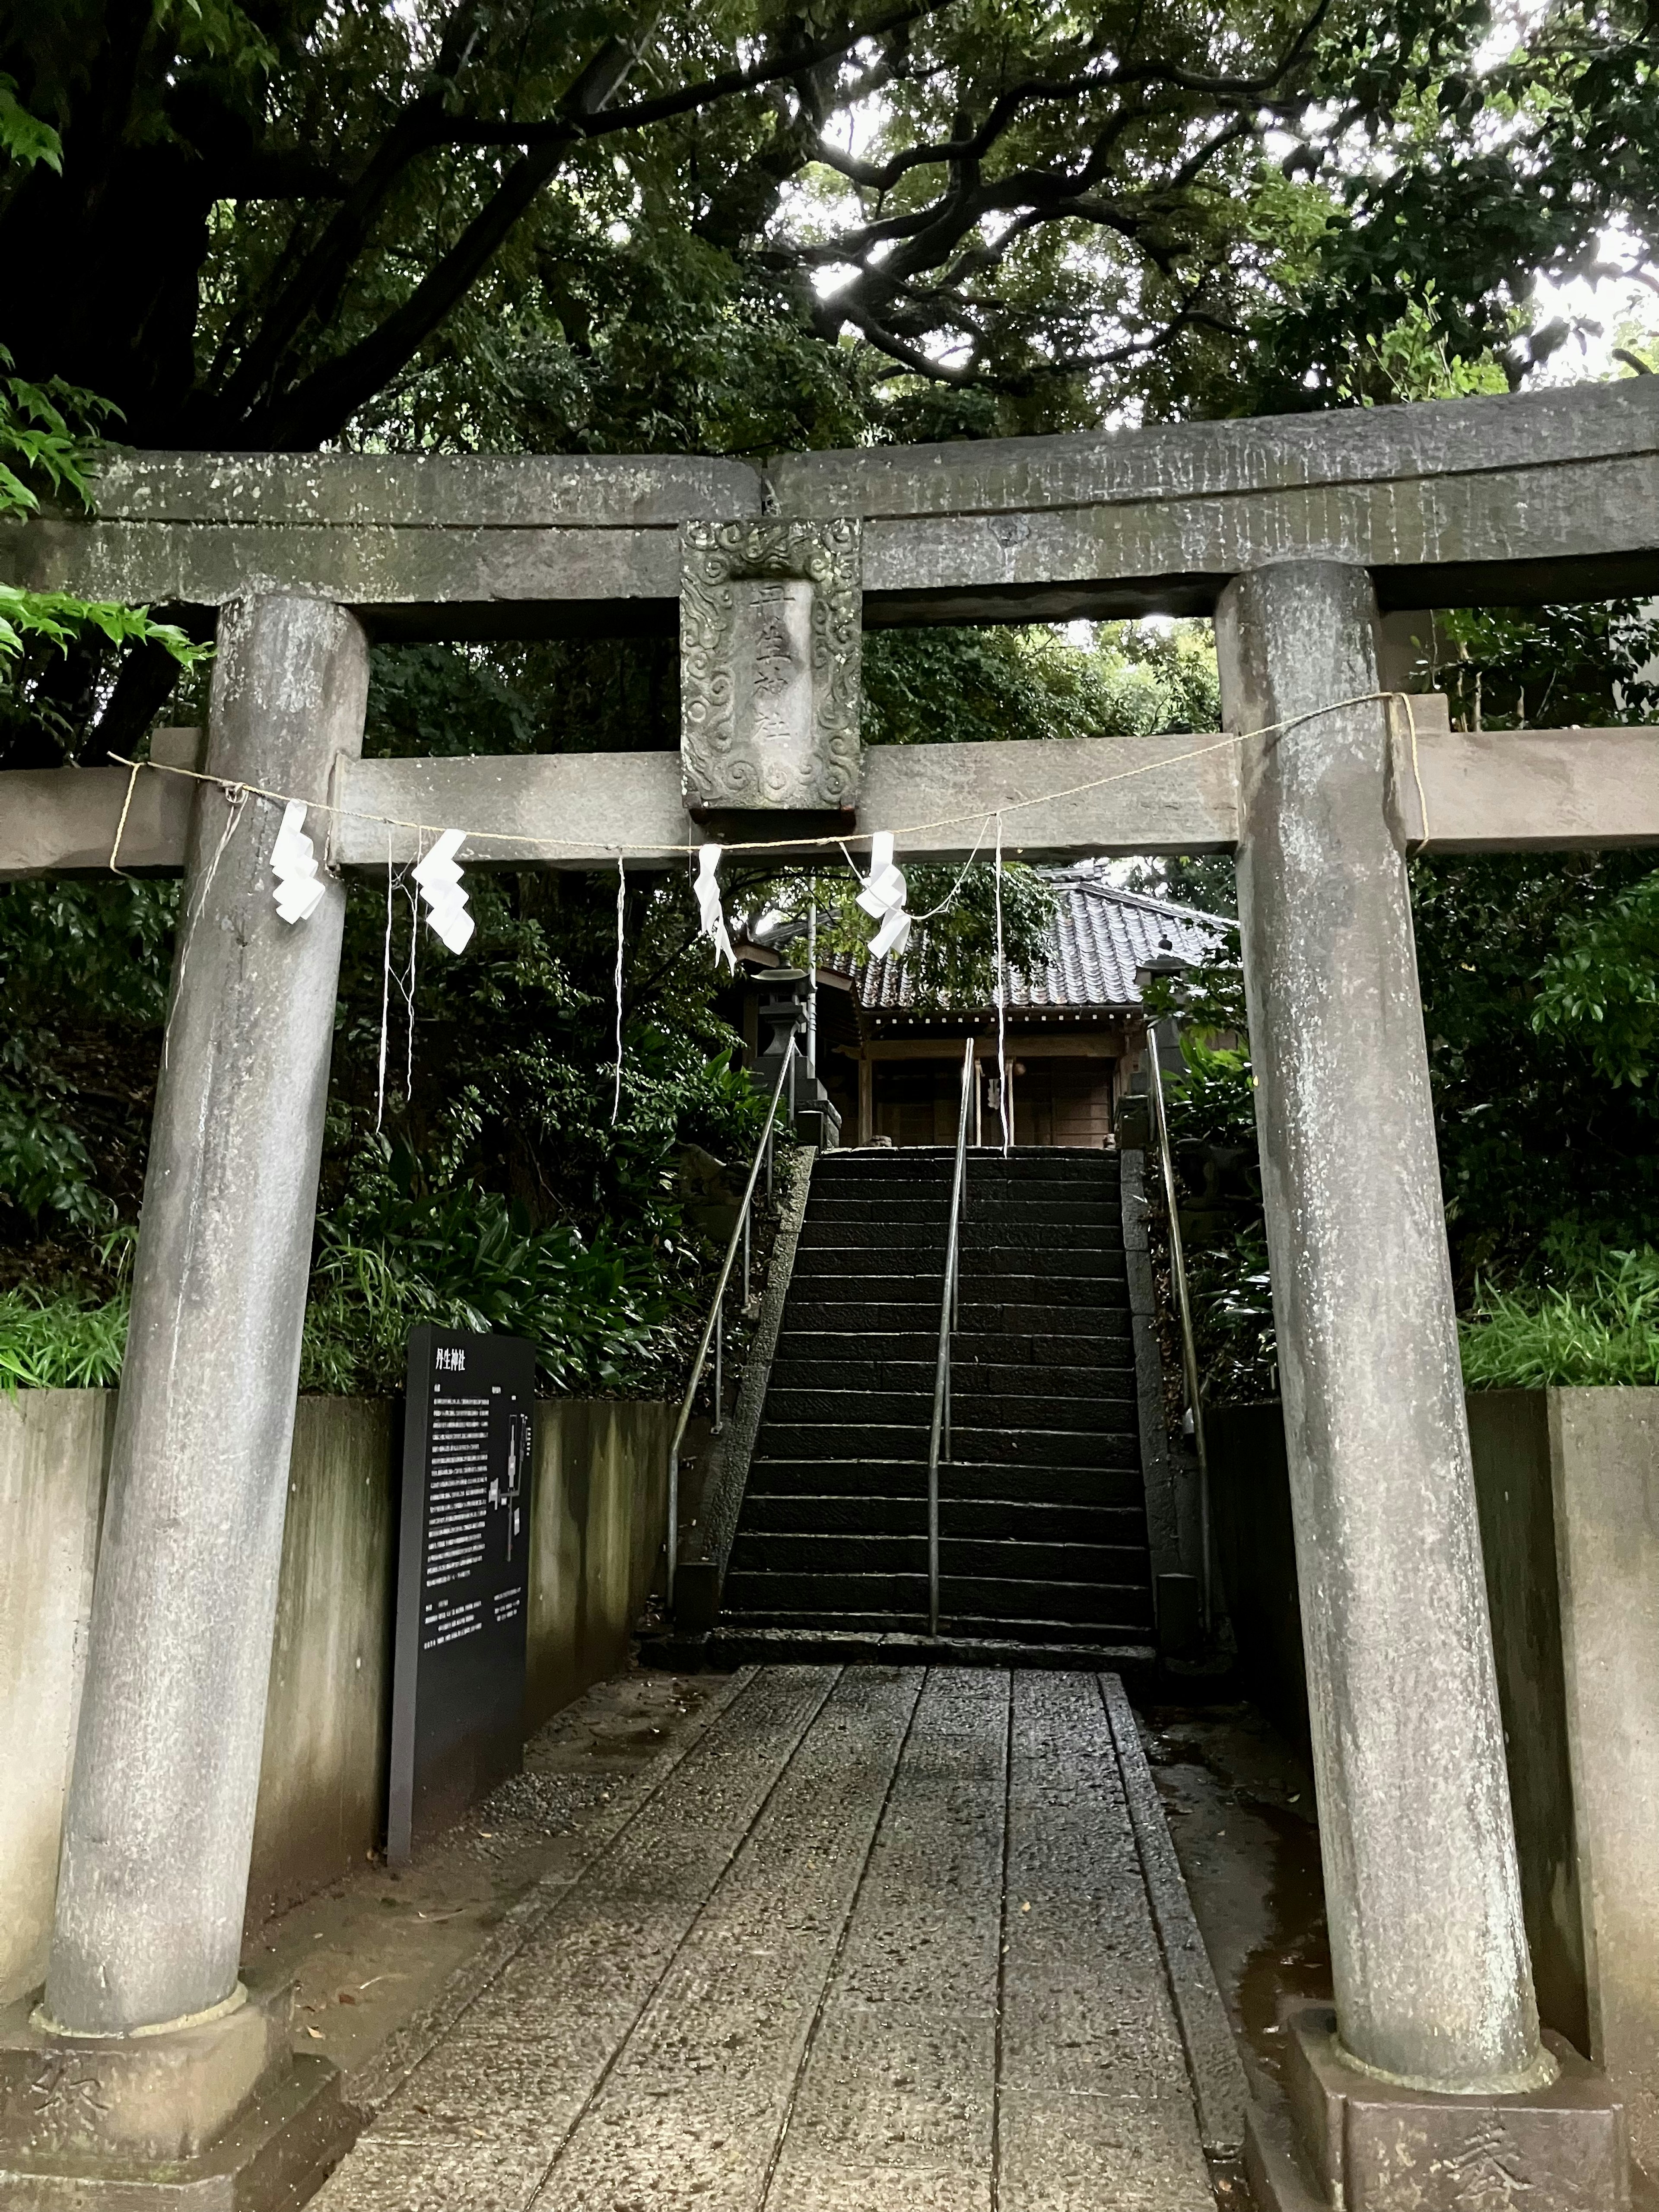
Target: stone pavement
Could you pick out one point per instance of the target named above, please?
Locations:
(883, 1937)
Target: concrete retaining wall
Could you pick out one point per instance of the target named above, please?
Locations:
(328, 1709)
(54, 1456)
(598, 1524)
(599, 1520)
(1568, 1485)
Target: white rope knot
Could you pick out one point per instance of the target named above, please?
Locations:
(882, 899)
(293, 863)
(439, 880)
(713, 920)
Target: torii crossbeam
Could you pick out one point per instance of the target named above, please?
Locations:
(1294, 533)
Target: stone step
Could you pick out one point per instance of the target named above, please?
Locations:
(881, 1229)
(918, 1164)
(849, 1159)
(1064, 1208)
(882, 1640)
(824, 1278)
(914, 1345)
(928, 1166)
(932, 1213)
(840, 1273)
(1043, 1168)
(1105, 1372)
(1020, 1519)
(1044, 1336)
(864, 1249)
(970, 1447)
(1015, 1278)
(1042, 1518)
(809, 1314)
(984, 1322)
(830, 1552)
(862, 1367)
(1011, 1230)
(971, 1408)
(985, 1482)
(1125, 1607)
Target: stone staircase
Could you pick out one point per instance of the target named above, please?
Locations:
(1043, 1544)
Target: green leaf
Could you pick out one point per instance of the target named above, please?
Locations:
(24, 136)
(58, 616)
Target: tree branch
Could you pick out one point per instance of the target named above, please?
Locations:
(689, 98)
(281, 176)
(326, 399)
(908, 357)
(316, 284)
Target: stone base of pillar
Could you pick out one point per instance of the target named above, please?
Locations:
(219, 2115)
(1354, 2143)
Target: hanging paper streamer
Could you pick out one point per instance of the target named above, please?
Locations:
(439, 880)
(882, 899)
(293, 863)
(712, 924)
(385, 995)
(1005, 1104)
(622, 928)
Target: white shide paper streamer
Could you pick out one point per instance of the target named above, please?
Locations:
(293, 864)
(712, 923)
(439, 880)
(882, 899)
(622, 942)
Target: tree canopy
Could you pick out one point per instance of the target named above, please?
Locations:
(735, 226)
(501, 222)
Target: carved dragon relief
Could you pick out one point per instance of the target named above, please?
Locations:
(769, 679)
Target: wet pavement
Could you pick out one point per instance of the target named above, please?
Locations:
(867, 1938)
(1238, 1797)
(377, 1953)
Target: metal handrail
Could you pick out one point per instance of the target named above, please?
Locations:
(1184, 1308)
(714, 1330)
(941, 1432)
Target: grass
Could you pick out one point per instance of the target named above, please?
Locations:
(57, 1341)
(1600, 1328)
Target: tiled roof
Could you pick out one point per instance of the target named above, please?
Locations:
(1099, 937)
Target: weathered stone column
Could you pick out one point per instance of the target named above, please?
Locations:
(160, 1818)
(1433, 1985)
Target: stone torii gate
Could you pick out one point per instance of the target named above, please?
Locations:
(1295, 533)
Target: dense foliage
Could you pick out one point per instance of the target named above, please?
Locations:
(350, 211)
(495, 1185)
(50, 442)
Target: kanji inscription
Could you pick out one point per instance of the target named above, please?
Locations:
(770, 631)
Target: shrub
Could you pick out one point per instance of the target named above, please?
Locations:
(1600, 1328)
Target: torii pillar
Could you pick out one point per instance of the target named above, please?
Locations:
(1435, 2042)
(147, 2044)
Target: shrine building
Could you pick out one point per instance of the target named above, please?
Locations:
(890, 1053)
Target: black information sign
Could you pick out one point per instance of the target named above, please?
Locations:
(463, 1579)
